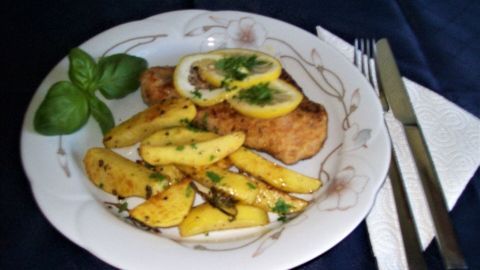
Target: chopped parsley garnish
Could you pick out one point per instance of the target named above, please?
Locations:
(251, 185)
(259, 94)
(184, 121)
(205, 120)
(157, 177)
(122, 207)
(281, 208)
(197, 94)
(193, 145)
(189, 125)
(238, 67)
(180, 148)
(214, 177)
(212, 157)
(188, 191)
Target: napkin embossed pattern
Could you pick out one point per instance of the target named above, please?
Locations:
(453, 137)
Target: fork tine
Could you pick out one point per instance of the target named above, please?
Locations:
(370, 55)
(355, 52)
(362, 56)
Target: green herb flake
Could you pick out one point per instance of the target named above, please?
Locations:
(189, 125)
(122, 207)
(213, 176)
(212, 157)
(205, 121)
(157, 177)
(184, 121)
(197, 94)
(281, 207)
(180, 148)
(238, 67)
(251, 185)
(188, 191)
(193, 145)
(259, 94)
(100, 185)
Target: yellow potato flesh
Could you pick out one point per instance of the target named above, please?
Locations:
(174, 174)
(268, 196)
(236, 185)
(159, 116)
(167, 208)
(274, 174)
(198, 154)
(178, 136)
(120, 176)
(206, 218)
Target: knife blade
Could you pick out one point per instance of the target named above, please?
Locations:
(390, 82)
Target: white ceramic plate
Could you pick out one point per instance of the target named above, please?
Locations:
(353, 162)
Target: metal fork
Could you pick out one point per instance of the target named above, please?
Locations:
(364, 52)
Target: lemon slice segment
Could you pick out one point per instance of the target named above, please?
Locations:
(240, 68)
(190, 87)
(267, 100)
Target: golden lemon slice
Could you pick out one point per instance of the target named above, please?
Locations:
(189, 85)
(240, 68)
(267, 100)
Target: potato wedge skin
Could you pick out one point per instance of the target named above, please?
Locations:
(268, 196)
(120, 176)
(234, 184)
(167, 208)
(158, 116)
(178, 136)
(274, 174)
(206, 218)
(201, 154)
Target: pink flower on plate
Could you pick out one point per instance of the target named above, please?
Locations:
(245, 33)
(343, 193)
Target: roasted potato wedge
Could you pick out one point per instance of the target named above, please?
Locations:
(173, 173)
(206, 218)
(178, 136)
(268, 197)
(120, 176)
(198, 154)
(274, 174)
(167, 208)
(223, 164)
(170, 113)
(236, 185)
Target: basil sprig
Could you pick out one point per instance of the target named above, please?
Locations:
(68, 104)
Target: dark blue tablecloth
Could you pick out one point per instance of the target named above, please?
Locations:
(436, 43)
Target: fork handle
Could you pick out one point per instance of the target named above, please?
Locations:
(446, 239)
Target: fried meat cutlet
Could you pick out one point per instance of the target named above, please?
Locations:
(289, 138)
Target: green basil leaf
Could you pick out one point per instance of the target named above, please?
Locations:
(82, 70)
(120, 74)
(101, 113)
(63, 111)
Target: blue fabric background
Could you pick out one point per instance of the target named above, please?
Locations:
(436, 44)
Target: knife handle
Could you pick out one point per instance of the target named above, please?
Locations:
(446, 239)
(411, 242)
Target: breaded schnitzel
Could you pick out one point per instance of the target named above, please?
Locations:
(289, 138)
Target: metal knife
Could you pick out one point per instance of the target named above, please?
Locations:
(390, 82)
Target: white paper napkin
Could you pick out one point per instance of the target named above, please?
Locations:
(453, 137)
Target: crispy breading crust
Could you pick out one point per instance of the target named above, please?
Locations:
(289, 138)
